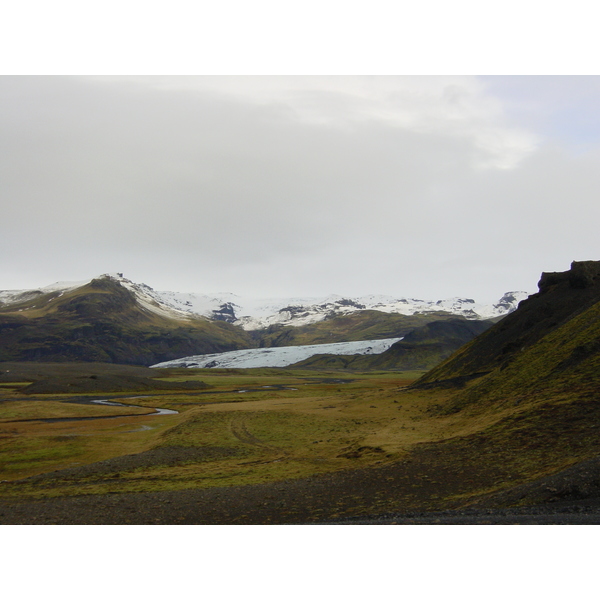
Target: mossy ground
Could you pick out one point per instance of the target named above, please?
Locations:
(263, 426)
(284, 424)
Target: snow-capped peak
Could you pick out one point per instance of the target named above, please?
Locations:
(259, 313)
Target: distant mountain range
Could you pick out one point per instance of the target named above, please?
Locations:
(259, 313)
(113, 319)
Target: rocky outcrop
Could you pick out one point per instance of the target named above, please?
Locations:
(561, 297)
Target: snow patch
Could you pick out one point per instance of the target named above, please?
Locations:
(260, 313)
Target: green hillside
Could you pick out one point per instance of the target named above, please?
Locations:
(561, 298)
(103, 322)
(531, 384)
(563, 363)
(362, 325)
(420, 350)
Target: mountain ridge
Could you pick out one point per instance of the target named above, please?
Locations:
(113, 319)
(255, 313)
(561, 298)
(102, 321)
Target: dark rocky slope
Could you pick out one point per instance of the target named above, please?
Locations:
(562, 297)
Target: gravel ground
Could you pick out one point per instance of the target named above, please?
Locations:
(565, 513)
(399, 493)
(271, 504)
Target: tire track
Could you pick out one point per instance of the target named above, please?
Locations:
(238, 428)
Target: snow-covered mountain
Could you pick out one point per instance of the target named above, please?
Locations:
(259, 313)
(8, 297)
(276, 357)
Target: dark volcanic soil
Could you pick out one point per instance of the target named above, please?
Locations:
(560, 513)
(407, 492)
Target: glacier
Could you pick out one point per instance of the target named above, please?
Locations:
(276, 357)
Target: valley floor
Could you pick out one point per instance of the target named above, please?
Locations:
(273, 446)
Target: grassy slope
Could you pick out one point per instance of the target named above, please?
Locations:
(363, 325)
(421, 349)
(536, 392)
(563, 363)
(562, 297)
(102, 322)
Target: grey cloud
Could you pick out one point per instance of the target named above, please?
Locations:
(201, 190)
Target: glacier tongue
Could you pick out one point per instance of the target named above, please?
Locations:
(276, 357)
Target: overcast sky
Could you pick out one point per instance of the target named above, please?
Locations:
(427, 187)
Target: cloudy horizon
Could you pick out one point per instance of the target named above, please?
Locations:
(265, 186)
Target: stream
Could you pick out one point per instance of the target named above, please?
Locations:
(108, 401)
(159, 411)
